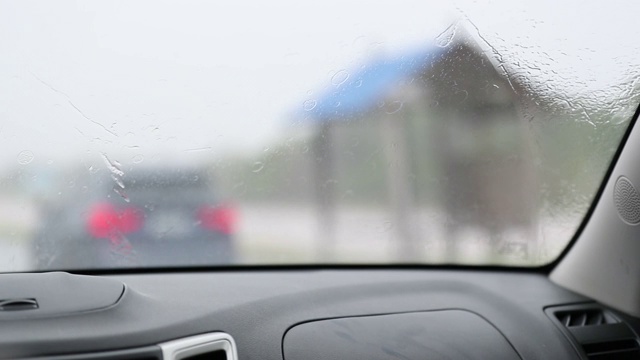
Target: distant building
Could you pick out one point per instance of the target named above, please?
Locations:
(447, 122)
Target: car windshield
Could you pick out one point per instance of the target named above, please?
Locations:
(141, 134)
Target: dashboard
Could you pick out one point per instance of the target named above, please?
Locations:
(306, 314)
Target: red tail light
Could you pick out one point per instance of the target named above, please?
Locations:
(218, 218)
(105, 221)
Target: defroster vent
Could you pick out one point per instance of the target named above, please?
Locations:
(584, 318)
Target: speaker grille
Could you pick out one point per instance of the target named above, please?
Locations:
(627, 200)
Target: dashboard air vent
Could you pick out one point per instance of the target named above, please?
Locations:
(613, 350)
(597, 333)
(588, 317)
(212, 346)
(145, 353)
(18, 304)
(213, 355)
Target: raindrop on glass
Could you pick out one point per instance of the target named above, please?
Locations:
(446, 37)
(122, 194)
(137, 159)
(257, 167)
(309, 105)
(340, 77)
(118, 181)
(113, 166)
(25, 157)
(394, 107)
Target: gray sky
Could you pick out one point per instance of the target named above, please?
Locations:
(154, 80)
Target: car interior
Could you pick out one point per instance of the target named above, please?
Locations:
(583, 306)
(580, 302)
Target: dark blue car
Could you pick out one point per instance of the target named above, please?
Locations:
(143, 218)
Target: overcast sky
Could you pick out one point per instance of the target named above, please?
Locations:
(140, 80)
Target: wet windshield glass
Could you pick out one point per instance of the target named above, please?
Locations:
(191, 133)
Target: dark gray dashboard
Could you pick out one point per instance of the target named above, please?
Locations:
(258, 308)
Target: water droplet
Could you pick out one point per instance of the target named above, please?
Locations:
(394, 107)
(118, 181)
(446, 37)
(93, 169)
(122, 194)
(309, 105)
(358, 83)
(340, 77)
(113, 166)
(257, 166)
(25, 157)
(71, 183)
(137, 159)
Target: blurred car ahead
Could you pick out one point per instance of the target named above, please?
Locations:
(150, 217)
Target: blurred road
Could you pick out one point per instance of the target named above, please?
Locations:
(17, 219)
(14, 256)
(272, 234)
(292, 234)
